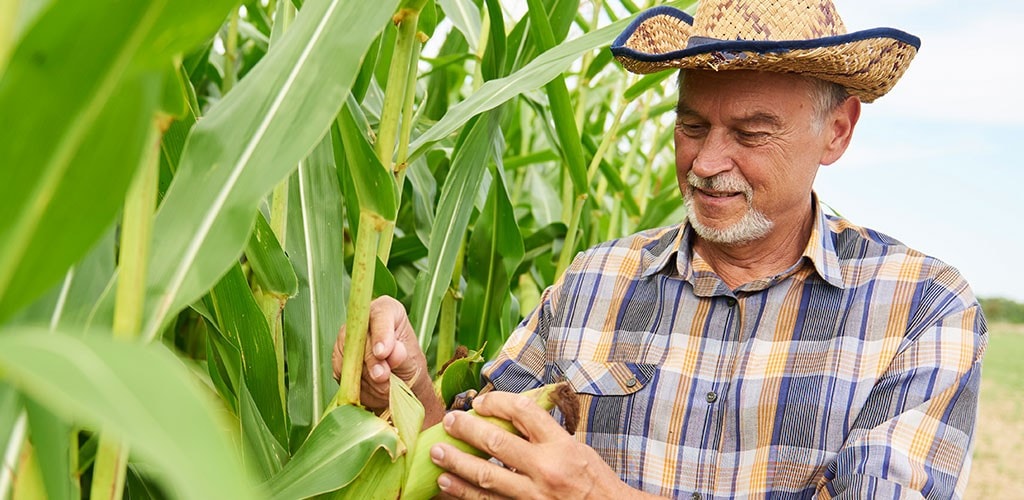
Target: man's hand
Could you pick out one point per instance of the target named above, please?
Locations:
(545, 463)
(391, 347)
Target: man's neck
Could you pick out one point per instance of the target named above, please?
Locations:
(764, 258)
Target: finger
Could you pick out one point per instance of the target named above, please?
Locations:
(509, 448)
(336, 355)
(398, 355)
(386, 314)
(532, 421)
(453, 486)
(471, 476)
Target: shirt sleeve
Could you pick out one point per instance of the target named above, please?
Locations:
(915, 435)
(521, 363)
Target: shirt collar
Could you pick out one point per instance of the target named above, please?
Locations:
(677, 246)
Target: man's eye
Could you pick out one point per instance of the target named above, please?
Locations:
(691, 129)
(749, 137)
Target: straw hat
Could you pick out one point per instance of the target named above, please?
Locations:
(786, 36)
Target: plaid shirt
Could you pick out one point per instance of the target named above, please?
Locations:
(853, 374)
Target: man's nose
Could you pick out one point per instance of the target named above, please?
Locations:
(714, 155)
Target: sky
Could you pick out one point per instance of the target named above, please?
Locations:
(935, 163)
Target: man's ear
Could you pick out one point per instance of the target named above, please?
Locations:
(838, 129)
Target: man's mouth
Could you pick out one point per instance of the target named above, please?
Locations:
(717, 194)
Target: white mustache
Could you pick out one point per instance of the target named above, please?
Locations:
(720, 183)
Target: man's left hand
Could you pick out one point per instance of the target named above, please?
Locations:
(545, 463)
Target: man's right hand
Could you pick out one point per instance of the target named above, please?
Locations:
(391, 347)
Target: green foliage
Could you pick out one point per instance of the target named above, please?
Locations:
(482, 166)
(1000, 310)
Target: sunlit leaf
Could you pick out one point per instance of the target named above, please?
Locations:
(313, 317)
(450, 222)
(248, 143)
(335, 453)
(139, 392)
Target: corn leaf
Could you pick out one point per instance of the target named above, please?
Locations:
(334, 454)
(268, 260)
(494, 252)
(313, 317)
(242, 324)
(406, 412)
(381, 478)
(534, 75)
(84, 80)
(465, 16)
(248, 143)
(459, 376)
(141, 393)
(450, 222)
(13, 430)
(374, 185)
(263, 452)
(51, 441)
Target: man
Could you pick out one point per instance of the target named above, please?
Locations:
(763, 348)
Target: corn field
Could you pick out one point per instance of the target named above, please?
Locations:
(198, 194)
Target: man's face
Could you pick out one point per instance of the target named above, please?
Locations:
(748, 145)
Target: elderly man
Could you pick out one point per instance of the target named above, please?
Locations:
(764, 347)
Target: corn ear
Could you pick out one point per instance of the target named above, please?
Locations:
(421, 480)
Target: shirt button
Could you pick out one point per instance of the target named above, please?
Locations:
(631, 382)
(695, 496)
(731, 302)
(711, 397)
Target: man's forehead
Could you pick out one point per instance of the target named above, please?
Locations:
(744, 115)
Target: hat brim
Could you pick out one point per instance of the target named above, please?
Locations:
(868, 63)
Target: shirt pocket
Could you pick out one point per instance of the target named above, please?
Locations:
(614, 408)
(603, 378)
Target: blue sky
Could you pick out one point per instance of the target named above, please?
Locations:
(936, 162)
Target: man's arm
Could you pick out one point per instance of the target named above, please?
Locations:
(915, 434)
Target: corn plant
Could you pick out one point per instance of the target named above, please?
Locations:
(198, 194)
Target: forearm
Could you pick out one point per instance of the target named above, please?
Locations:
(433, 407)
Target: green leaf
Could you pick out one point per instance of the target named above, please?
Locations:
(84, 80)
(138, 485)
(465, 16)
(460, 376)
(263, 452)
(313, 317)
(494, 57)
(13, 430)
(381, 478)
(248, 143)
(561, 105)
(532, 76)
(495, 250)
(51, 441)
(374, 184)
(241, 322)
(142, 393)
(269, 262)
(450, 222)
(334, 454)
(406, 412)
(648, 81)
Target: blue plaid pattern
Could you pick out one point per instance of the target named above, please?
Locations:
(855, 373)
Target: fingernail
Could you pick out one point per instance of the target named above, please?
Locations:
(378, 349)
(478, 400)
(444, 482)
(377, 371)
(449, 419)
(437, 454)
